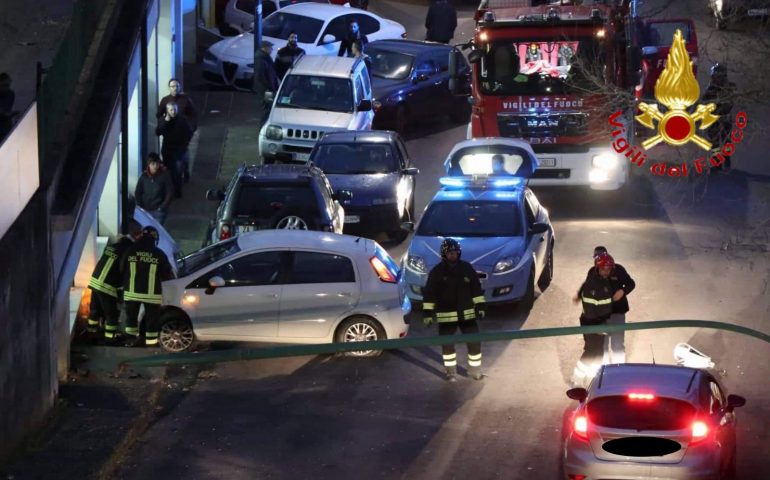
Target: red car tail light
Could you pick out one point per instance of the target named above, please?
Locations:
(575, 476)
(580, 426)
(225, 232)
(700, 431)
(382, 270)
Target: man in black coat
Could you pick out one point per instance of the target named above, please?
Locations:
(177, 133)
(268, 82)
(354, 35)
(287, 55)
(154, 189)
(441, 22)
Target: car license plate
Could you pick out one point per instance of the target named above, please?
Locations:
(301, 157)
(352, 219)
(245, 228)
(756, 12)
(546, 162)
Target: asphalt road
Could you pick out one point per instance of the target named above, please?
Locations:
(697, 249)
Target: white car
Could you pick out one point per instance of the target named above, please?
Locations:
(239, 14)
(320, 29)
(286, 286)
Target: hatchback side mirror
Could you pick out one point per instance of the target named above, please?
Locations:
(215, 194)
(734, 401)
(410, 171)
(328, 38)
(538, 228)
(408, 226)
(364, 105)
(579, 394)
(214, 283)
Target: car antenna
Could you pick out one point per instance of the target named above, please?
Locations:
(653, 354)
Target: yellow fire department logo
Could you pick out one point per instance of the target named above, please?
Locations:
(677, 89)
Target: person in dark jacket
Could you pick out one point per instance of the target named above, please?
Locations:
(105, 284)
(453, 298)
(154, 189)
(595, 294)
(177, 133)
(287, 55)
(185, 103)
(622, 285)
(441, 22)
(268, 82)
(7, 99)
(354, 34)
(144, 267)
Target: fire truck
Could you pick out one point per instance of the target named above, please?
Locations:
(553, 73)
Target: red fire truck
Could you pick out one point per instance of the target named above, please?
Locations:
(552, 73)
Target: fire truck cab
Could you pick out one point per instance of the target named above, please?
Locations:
(552, 73)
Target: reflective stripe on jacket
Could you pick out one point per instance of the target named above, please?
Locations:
(453, 291)
(145, 267)
(596, 295)
(106, 276)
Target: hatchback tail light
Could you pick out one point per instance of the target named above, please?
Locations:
(700, 431)
(382, 270)
(580, 427)
(225, 232)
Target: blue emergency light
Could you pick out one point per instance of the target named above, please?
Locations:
(481, 181)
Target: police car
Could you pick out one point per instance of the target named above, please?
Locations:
(485, 204)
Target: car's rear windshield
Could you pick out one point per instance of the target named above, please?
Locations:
(265, 200)
(471, 219)
(206, 256)
(625, 412)
(356, 158)
(281, 24)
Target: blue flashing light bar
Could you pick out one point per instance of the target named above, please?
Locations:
(481, 182)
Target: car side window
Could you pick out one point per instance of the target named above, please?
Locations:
(426, 67)
(263, 268)
(337, 27)
(402, 152)
(316, 267)
(530, 212)
(533, 203)
(441, 59)
(367, 24)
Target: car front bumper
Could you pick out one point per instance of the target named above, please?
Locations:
(231, 74)
(575, 169)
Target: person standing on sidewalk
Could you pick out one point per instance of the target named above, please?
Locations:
(144, 268)
(453, 298)
(440, 22)
(622, 285)
(154, 189)
(287, 55)
(596, 296)
(177, 133)
(268, 80)
(105, 284)
(186, 105)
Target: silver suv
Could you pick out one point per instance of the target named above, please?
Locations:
(319, 94)
(293, 197)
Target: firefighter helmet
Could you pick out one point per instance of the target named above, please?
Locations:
(450, 245)
(604, 259)
(151, 232)
(718, 72)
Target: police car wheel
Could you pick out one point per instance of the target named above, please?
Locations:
(360, 329)
(176, 335)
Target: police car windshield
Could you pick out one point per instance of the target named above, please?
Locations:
(207, 256)
(471, 219)
(354, 159)
(546, 66)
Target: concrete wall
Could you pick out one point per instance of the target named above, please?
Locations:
(28, 379)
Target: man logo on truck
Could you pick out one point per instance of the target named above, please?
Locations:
(677, 89)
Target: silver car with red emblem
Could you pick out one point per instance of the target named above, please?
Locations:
(643, 421)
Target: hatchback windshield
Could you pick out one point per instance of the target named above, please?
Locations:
(205, 257)
(471, 219)
(280, 25)
(354, 159)
(546, 66)
(389, 65)
(641, 414)
(316, 93)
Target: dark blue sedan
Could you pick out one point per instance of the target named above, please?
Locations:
(410, 82)
(374, 167)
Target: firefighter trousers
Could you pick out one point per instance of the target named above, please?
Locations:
(448, 351)
(150, 319)
(103, 307)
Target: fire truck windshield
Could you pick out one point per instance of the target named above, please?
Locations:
(546, 66)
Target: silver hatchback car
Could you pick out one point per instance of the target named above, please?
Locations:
(645, 421)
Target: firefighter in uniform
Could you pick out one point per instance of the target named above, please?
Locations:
(105, 283)
(144, 268)
(596, 296)
(453, 298)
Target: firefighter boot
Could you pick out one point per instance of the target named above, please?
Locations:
(476, 373)
(451, 374)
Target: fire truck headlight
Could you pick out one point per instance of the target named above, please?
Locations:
(605, 161)
(598, 176)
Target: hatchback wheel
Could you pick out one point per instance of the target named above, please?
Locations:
(176, 335)
(360, 329)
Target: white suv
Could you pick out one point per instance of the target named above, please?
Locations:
(319, 94)
(286, 286)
